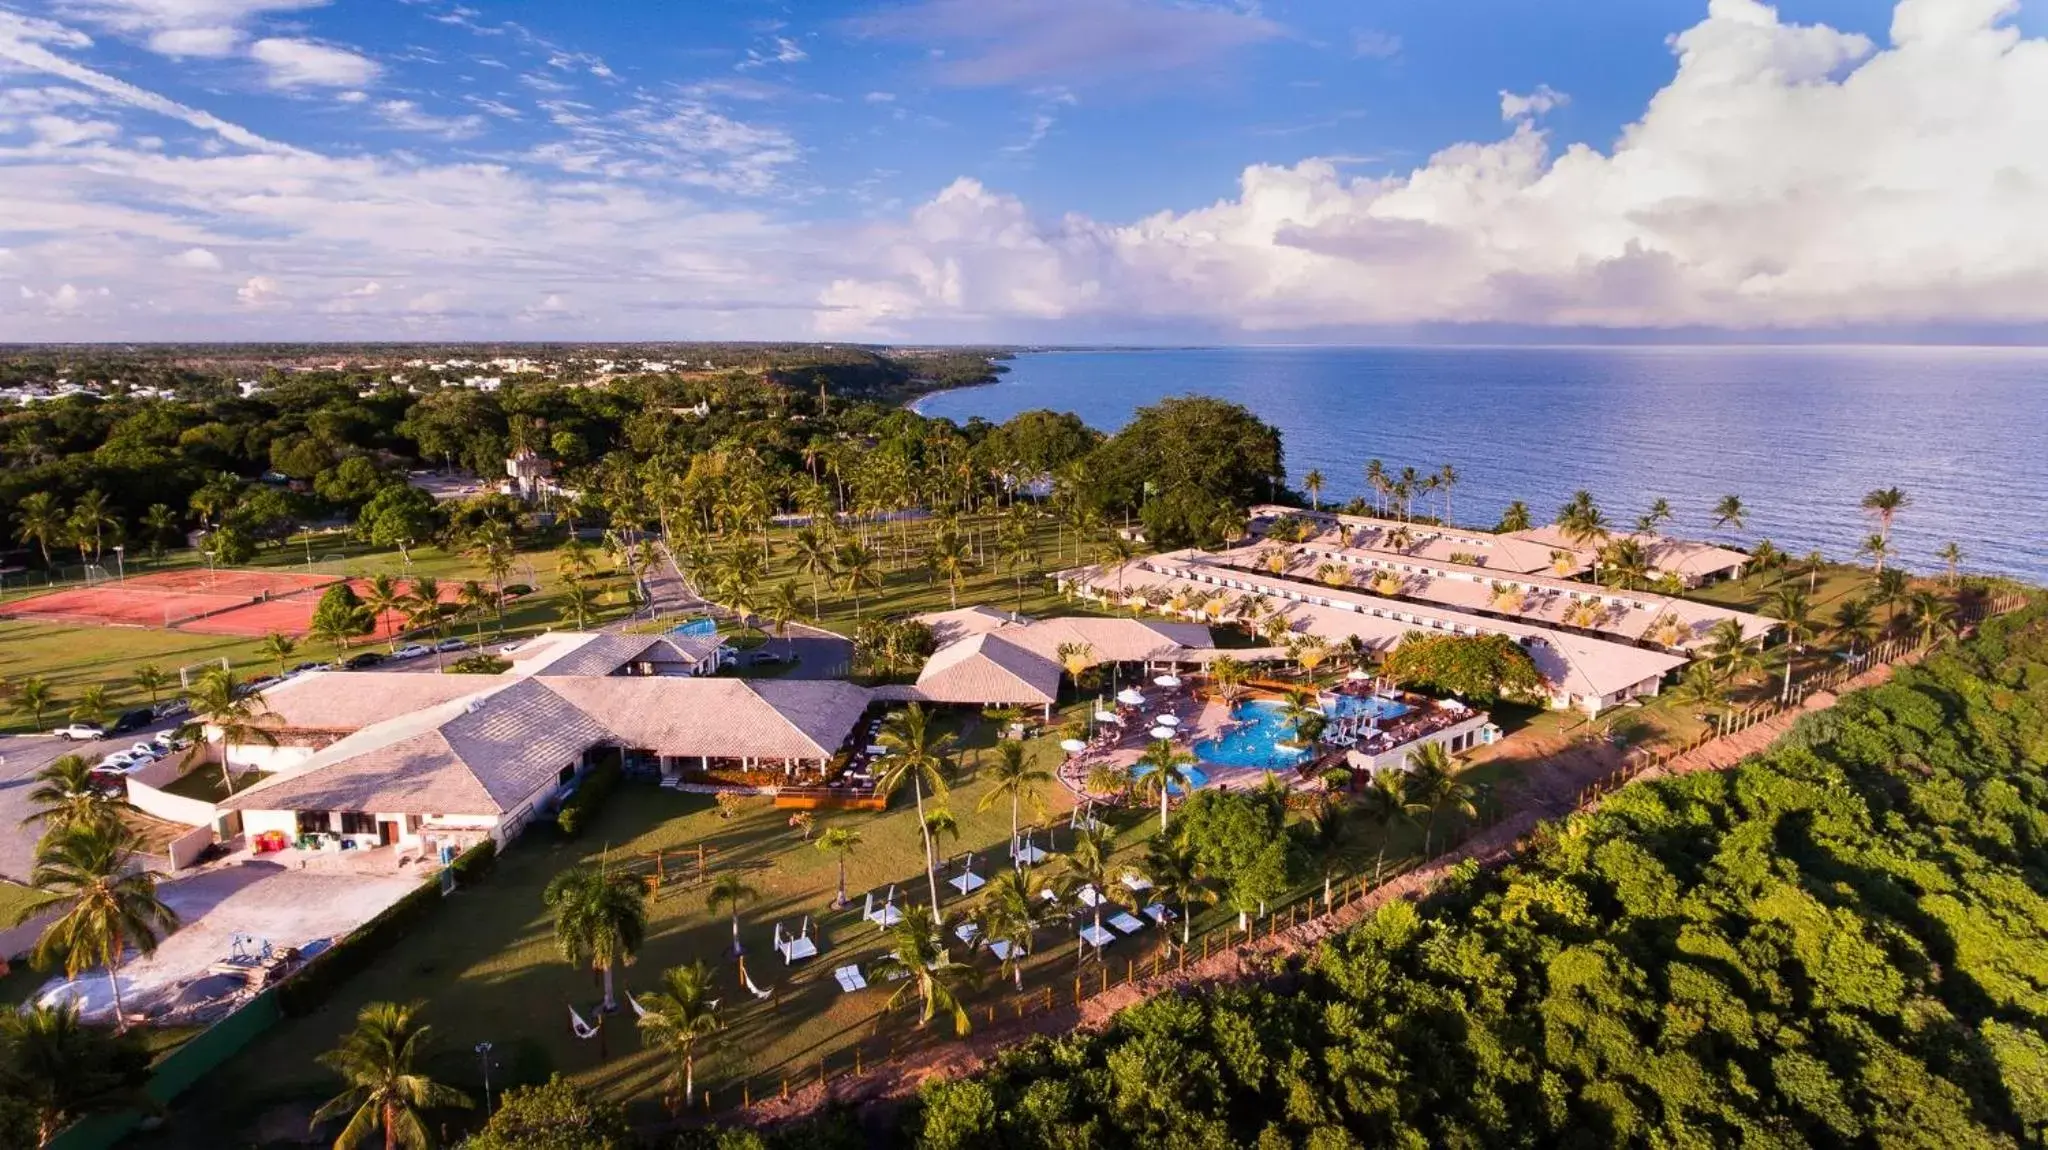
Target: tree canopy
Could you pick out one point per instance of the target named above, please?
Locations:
(1482, 668)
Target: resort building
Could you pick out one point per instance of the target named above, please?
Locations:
(1692, 563)
(987, 657)
(1633, 616)
(395, 758)
(1502, 553)
(1583, 671)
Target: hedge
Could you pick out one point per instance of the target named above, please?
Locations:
(314, 982)
(582, 806)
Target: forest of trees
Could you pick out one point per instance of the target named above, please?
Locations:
(1841, 942)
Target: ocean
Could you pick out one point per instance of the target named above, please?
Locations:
(1799, 433)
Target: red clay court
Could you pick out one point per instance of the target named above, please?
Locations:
(166, 598)
(293, 615)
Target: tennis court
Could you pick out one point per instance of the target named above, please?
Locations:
(293, 615)
(163, 598)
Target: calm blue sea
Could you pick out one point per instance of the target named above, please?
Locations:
(1799, 433)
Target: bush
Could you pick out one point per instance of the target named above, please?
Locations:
(556, 1115)
(305, 990)
(589, 798)
(479, 664)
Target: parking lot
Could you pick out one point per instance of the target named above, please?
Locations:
(21, 756)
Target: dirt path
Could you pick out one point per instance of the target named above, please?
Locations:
(1566, 771)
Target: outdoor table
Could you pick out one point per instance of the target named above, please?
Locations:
(1125, 923)
(1096, 937)
(967, 882)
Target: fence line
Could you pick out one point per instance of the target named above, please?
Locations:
(1167, 956)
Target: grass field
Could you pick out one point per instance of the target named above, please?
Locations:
(487, 967)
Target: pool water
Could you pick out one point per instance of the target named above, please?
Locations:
(1194, 774)
(1257, 743)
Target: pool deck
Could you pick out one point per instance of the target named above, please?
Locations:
(1200, 719)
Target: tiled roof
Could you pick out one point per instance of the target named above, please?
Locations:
(989, 668)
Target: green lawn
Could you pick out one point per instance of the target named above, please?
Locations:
(203, 782)
(487, 968)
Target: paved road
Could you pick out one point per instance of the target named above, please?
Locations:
(21, 756)
(820, 654)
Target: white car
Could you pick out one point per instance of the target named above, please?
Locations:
(147, 751)
(118, 761)
(80, 732)
(452, 645)
(412, 651)
(168, 741)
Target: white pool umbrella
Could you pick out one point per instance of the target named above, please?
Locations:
(1358, 676)
(1130, 697)
(1072, 745)
(1168, 681)
(1167, 720)
(1162, 732)
(1105, 716)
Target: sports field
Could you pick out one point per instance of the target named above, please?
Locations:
(169, 598)
(293, 614)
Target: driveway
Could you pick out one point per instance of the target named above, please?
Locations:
(820, 654)
(21, 756)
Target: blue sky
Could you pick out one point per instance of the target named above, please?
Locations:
(1018, 169)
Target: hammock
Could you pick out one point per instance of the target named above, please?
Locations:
(748, 982)
(639, 1011)
(583, 1029)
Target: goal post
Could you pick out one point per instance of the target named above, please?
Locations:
(191, 671)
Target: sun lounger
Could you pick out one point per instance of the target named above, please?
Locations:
(1125, 924)
(849, 978)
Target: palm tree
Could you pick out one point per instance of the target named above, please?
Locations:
(1890, 590)
(92, 706)
(1014, 550)
(578, 601)
(1229, 675)
(1791, 605)
(1885, 503)
(279, 648)
(1170, 767)
(1432, 782)
(1702, 685)
(41, 521)
(782, 609)
(1075, 659)
(1515, 518)
(1313, 484)
(61, 1069)
(922, 757)
(35, 695)
(600, 919)
(150, 679)
(383, 1089)
(1856, 623)
(815, 558)
(158, 522)
(673, 1020)
(1932, 616)
(574, 559)
(1015, 778)
(1092, 862)
(1304, 712)
(731, 889)
(382, 599)
(1659, 513)
(1626, 562)
(1727, 646)
(221, 704)
(66, 795)
(1729, 512)
(1174, 867)
(842, 842)
(1877, 549)
(1952, 556)
(1010, 913)
(1385, 803)
(939, 824)
(949, 558)
(491, 545)
(1330, 838)
(475, 599)
(108, 906)
(858, 568)
(422, 606)
(919, 956)
(92, 517)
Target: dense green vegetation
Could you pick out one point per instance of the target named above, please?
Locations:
(1842, 942)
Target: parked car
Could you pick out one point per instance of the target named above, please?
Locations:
(133, 720)
(172, 708)
(302, 668)
(118, 761)
(169, 741)
(412, 651)
(508, 648)
(146, 751)
(263, 684)
(364, 659)
(81, 732)
(452, 645)
(770, 658)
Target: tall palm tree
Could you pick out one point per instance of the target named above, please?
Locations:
(1329, 836)
(1433, 782)
(1515, 518)
(35, 694)
(600, 919)
(159, 522)
(422, 606)
(66, 795)
(278, 647)
(383, 1089)
(382, 599)
(41, 521)
(1885, 503)
(222, 705)
(1932, 616)
(815, 557)
(923, 757)
(108, 906)
(1174, 868)
(1952, 557)
(1728, 647)
(840, 842)
(1702, 685)
(857, 568)
(782, 609)
(1010, 913)
(1376, 481)
(731, 889)
(62, 1069)
(574, 559)
(1385, 804)
(491, 545)
(939, 824)
(1878, 549)
(1092, 862)
(92, 518)
(919, 956)
(1791, 605)
(1170, 767)
(674, 1019)
(578, 601)
(1313, 484)
(1855, 623)
(475, 600)
(1729, 512)
(1075, 659)
(150, 679)
(949, 558)
(1890, 590)
(1016, 778)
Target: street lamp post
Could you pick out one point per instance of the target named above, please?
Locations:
(483, 1053)
(121, 561)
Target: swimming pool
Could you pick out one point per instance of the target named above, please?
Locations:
(1194, 774)
(1256, 743)
(1353, 706)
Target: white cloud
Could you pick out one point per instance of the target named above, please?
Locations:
(306, 64)
(210, 42)
(407, 116)
(1374, 44)
(786, 51)
(880, 97)
(196, 259)
(260, 292)
(1544, 100)
(1787, 176)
